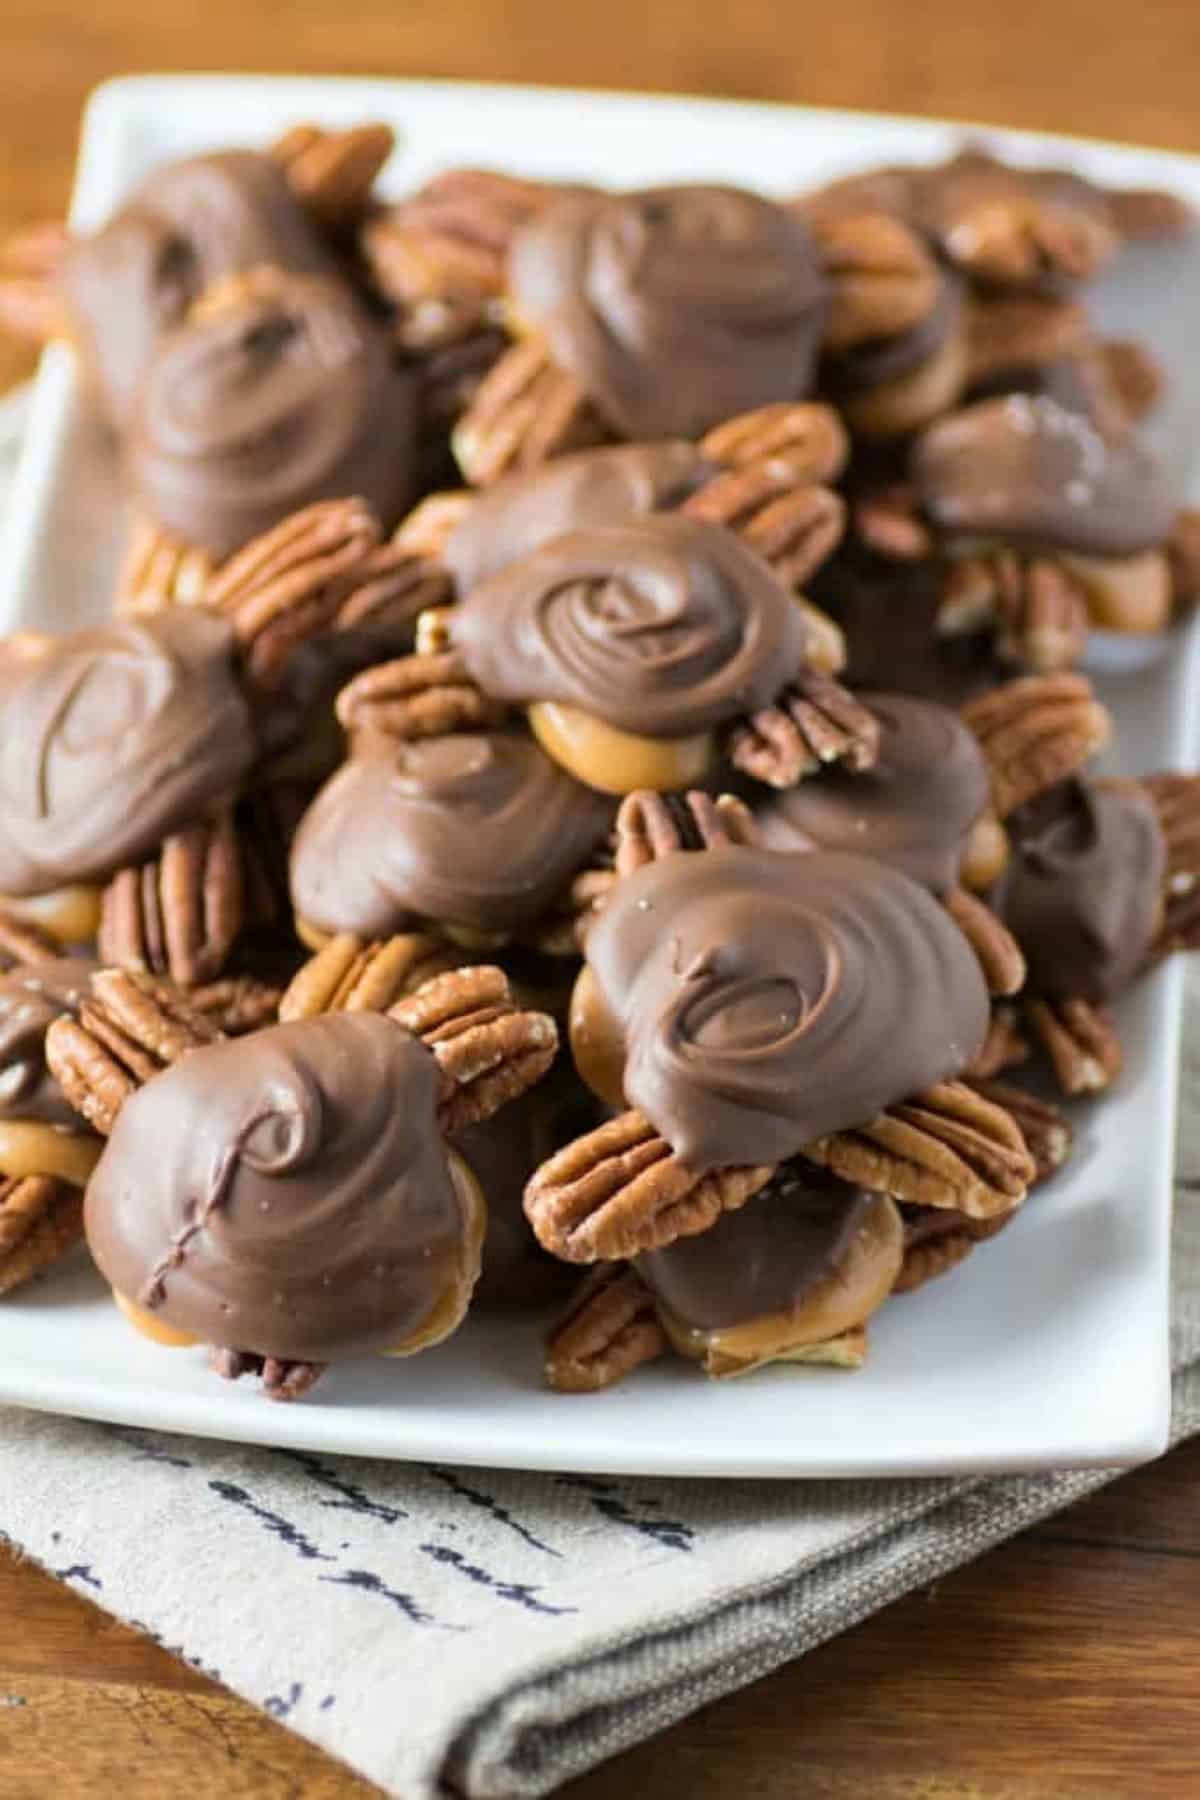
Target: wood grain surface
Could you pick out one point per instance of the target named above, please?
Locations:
(1066, 1663)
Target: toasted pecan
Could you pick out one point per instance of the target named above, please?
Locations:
(814, 722)
(610, 1328)
(40, 1220)
(1010, 333)
(525, 410)
(130, 1028)
(1047, 1131)
(651, 826)
(1034, 732)
(787, 444)
(419, 696)
(349, 974)
(21, 941)
(884, 280)
(1183, 557)
(794, 524)
(333, 172)
(1176, 799)
(1080, 1039)
(159, 571)
(1005, 1046)
(1022, 240)
(281, 1380)
(1000, 956)
(488, 1049)
(288, 584)
(180, 914)
(1035, 608)
(947, 1147)
(937, 1241)
(621, 1190)
(887, 521)
(237, 1004)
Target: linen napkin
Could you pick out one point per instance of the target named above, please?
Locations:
(491, 1633)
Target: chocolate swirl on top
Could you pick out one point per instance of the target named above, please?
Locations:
(765, 1258)
(185, 227)
(571, 493)
(110, 739)
(1024, 469)
(912, 810)
(769, 999)
(275, 401)
(31, 998)
(1083, 891)
(482, 831)
(663, 627)
(286, 1193)
(675, 307)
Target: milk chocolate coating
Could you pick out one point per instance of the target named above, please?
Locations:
(31, 998)
(912, 810)
(675, 307)
(572, 493)
(1027, 471)
(186, 226)
(270, 405)
(285, 1193)
(1083, 891)
(768, 999)
(664, 627)
(484, 831)
(765, 1258)
(110, 739)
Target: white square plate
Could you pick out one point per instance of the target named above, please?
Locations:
(1051, 1348)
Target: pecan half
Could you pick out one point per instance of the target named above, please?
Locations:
(621, 1190)
(283, 1381)
(1005, 1046)
(447, 245)
(791, 442)
(31, 303)
(999, 954)
(947, 1147)
(1048, 1133)
(794, 526)
(936, 1241)
(1080, 1040)
(237, 1003)
(333, 172)
(1034, 732)
(389, 591)
(883, 279)
(489, 1050)
(1036, 610)
(1022, 240)
(888, 522)
(651, 826)
(131, 1028)
(420, 696)
(348, 975)
(610, 1328)
(1014, 332)
(1176, 800)
(22, 942)
(40, 1220)
(159, 571)
(526, 410)
(181, 914)
(815, 721)
(288, 584)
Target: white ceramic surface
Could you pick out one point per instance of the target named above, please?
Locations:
(1051, 1347)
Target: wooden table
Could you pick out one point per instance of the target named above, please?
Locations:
(1065, 1663)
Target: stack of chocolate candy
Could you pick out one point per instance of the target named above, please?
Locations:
(589, 764)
